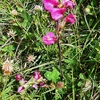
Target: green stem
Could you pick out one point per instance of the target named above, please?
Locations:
(5, 84)
(86, 22)
(73, 83)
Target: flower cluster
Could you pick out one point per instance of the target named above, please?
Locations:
(35, 81)
(57, 10)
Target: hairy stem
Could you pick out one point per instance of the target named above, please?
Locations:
(59, 47)
(60, 64)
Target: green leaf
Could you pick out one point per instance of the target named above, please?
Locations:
(26, 20)
(5, 93)
(79, 84)
(82, 76)
(1, 42)
(19, 9)
(53, 76)
(11, 48)
(48, 75)
(26, 15)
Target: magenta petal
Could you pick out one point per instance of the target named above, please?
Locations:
(48, 7)
(18, 77)
(53, 2)
(68, 3)
(37, 75)
(20, 89)
(50, 34)
(70, 18)
(64, 1)
(49, 4)
(41, 84)
(57, 13)
(35, 86)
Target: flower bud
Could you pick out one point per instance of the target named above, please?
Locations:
(70, 18)
(62, 24)
(35, 86)
(37, 75)
(87, 11)
(21, 89)
(18, 77)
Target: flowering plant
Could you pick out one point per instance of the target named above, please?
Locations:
(57, 10)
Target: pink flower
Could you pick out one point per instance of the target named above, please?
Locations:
(41, 84)
(70, 18)
(20, 89)
(35, 86)
(57, 8)
(68, 4)
(49, 4)
(49, 38)
(18, 77)
(37, 75)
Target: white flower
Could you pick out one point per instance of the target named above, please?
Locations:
(38, 7)
(14, 12)
(87, 85)
(30, 58)
(11, 33)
